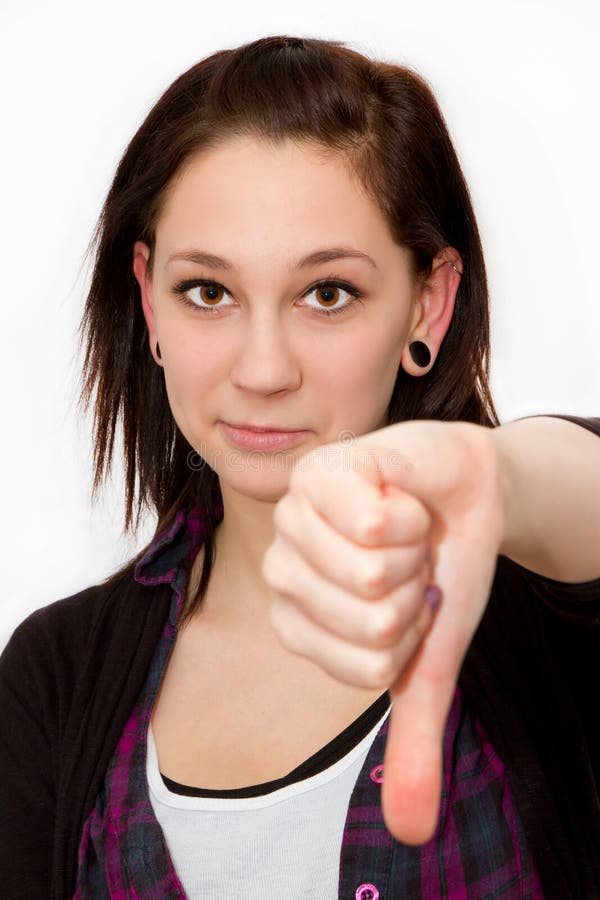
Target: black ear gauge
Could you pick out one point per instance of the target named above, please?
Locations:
(420, 353)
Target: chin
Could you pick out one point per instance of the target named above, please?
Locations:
(256, 467)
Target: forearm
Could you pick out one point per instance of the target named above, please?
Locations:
(551, 483)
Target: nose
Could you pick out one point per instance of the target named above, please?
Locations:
(264, 362)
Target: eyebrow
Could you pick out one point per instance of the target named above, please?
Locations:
(319, 256)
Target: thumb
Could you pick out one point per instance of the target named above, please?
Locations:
(413, 761)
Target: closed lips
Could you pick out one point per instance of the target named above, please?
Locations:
(263, 428)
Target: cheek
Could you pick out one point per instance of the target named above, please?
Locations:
(366, 362)
(357, 378)
(194, 369)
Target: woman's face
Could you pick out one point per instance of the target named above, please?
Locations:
(259, 347)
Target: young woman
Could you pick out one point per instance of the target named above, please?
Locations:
(359, 658)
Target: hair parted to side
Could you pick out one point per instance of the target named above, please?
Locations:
(384, 120)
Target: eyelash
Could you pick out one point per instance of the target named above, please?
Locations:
(182, 287)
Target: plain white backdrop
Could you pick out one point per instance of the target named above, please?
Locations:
(518, 85)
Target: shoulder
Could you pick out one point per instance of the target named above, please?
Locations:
(77, 611)
(52, 640)
(524, 591)
(591, 423)
(92, 646)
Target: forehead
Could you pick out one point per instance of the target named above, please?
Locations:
(244, 158)
(249, 186)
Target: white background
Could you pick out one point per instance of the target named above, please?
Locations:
(518, 85)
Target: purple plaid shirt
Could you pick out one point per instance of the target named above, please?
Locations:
(478, 850)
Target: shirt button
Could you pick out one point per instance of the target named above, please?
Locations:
(367, 892)
(377, 774)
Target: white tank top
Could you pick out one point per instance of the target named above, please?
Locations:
(276, 841)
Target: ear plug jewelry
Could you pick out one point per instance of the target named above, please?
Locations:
(420, 353)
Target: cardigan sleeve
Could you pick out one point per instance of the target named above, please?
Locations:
(27, 771)
(576, 602)
(40, 673)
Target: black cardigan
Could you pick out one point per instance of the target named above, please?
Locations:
(72, 671)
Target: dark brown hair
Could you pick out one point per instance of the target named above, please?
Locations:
(384, 120)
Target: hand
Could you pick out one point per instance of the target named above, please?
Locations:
(351, 598)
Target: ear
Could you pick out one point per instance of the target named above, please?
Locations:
(434, 307)
(141, 254)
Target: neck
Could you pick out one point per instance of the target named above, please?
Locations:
(237, 593)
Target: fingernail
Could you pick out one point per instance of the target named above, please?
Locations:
(433, 596)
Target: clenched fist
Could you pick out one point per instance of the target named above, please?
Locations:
(368, 538)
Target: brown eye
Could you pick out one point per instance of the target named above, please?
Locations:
(211, 293)
(328, 294)
(202, 294)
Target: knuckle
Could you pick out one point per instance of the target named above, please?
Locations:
(272, 569)
(372, 574)
(420, 519)
(381, 671)
(385, 626)
(283, 627)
